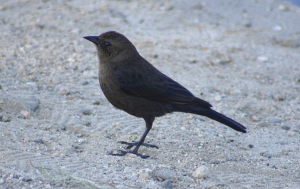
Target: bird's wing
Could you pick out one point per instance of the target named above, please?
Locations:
(154, 86)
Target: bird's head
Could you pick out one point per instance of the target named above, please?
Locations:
(111, 45)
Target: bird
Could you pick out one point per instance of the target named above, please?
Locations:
(132, 84)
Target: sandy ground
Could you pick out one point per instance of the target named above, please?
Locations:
(56, 127)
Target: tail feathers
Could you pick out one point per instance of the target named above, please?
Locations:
(212, 114)
(225, 120)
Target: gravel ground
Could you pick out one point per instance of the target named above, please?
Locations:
(57, 127)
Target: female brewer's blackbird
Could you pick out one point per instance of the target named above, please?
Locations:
(132, 84)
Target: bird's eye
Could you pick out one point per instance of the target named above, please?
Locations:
(107, 44)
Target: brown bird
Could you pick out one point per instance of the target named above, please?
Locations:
(132, 84)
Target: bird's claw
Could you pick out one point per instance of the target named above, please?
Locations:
(123, 153)
(131, 144)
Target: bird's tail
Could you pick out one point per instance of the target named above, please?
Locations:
(212, 114)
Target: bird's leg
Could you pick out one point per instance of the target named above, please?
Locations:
(149, 122)
(139, 143)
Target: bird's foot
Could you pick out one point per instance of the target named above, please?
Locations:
(123, 153)
(131, 144)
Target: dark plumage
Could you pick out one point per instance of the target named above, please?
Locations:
(132, 84)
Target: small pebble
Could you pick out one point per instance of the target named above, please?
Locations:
(33, 103)
(262, 59)
(5, 118)
(285, 127)
(86, 111)
(254, 118)
(96, 102)
(20, 116)
(144, 173)
(27, 179)
(39, 141)
(200, 172)
(270, 95)
(247, 23)
(167, 184)
(199, 117)
(267, 155)
(132, 155)
(64, 91)
(251, 146)
(283, 8)
(70, 97)
(277, 28)
(285, 153)
(192, 61)
(166, 174)
(85, 83)
(218, 98)
(290, 133)
(275, 120)
(25, 113)
(215, 161)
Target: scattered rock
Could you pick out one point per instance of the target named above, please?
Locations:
(220, 58)
(285, 127)
(275, 120)
(198, 6)
(86, 111)
(132, 155)
(290, 133)
(199, 117)
(84, 83)
(27, 179)
(96, 102)
(270, 95)
(88, 123)
(262, 59)
(264, 124)
(77, 147)
(25, 113)
(165, 174)
(274, 167)
(64, 91)
(287, 42)
(277, 28)
(5, 118)
(266, 154)
(247, 23)
(167, 184)
(39, 141)
(283, 8)
(144, 174)
(192, 61)
(20, 116)
(251, 146)
(200, 172)
(279, 97)
(215, 161)
(254, 118)
(218, 98)
(33, 103)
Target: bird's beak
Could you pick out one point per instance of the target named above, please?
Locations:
(93, 39)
